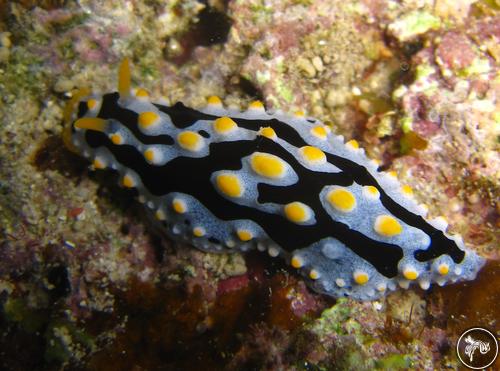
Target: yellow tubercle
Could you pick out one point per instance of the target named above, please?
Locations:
(371, 192)
(230, 185)
(360, 277)
(443, 269)
(342, 199)
(352, 144)
(267, 165)
(179, 206)
(190, 140)
(147, 119)
(313, 155)
(297, 262)
(387, 226)
(320, 132)
(410, 273)
(214, 101)
(198, 231)
(244, 235)
(128, 181)
(268, 132)
(141, 93)
(116, 139)
(225, 125)
(297, 212)
(149, 155)
(91, 104)
(314, 274)
(98, 163)
(407, 190)
(257, 104)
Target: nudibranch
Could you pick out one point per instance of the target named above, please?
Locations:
(225, 180)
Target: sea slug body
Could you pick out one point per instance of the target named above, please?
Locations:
(225, 180)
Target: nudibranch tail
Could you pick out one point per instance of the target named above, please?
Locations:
(225, 180)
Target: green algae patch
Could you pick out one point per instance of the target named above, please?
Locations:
(66, 341)
(30, 319)
(332, 319)
(414, 24)
(393, 362)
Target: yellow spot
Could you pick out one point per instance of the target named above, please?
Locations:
(352, 144)
(407, 190)
(313, 274)
(244, 235)
(268, 132)
(225, 125)
(91, 104)
(98, 163)
(297, 212)
(128, 181)
(371, 192)
(410, 273)
(149, 155)
(297, 262)
(91, 123)
(141, 93)
(256, 104)
(124, 78)
(214, 101)
(387, 226)
(190, 140)
(268, 165)
(116, 138)
(360, 277)
(443, 269)
(392, 174)
(160, 215)
(230, 185)
(320, 132)
(179, 206)
(147, 119)
(299, 113)
(198, 231)
(342, 199)
(313, 155)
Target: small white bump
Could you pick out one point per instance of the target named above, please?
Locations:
(261, 246)
(340, 282)
(441, 281)
(141, 199)
(230, 243)
(422, 210)
(439, 223)
(458, 271)
(331, 251)
(273, 251)
(381, 287)
(424, 284)
(150, 204)
(176, 229)
(404, 284)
